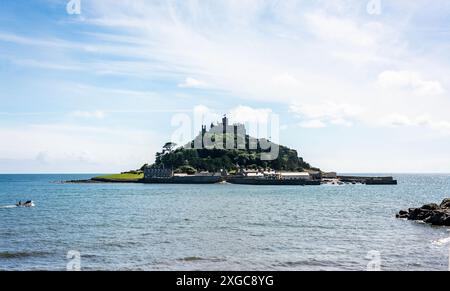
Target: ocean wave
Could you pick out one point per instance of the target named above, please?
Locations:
(195, 258)
(307, 263)
(257, 224)
(89, 256)
(8, 206)
(22, 254)
(120, 244)
(442, 241)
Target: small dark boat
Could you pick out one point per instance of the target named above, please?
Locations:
(28, 203)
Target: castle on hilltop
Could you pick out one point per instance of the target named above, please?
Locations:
(223, 135)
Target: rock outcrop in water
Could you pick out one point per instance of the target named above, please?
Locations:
(432, 213)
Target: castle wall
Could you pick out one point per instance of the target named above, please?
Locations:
(150, 173)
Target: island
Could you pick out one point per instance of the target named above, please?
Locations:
(226, 153)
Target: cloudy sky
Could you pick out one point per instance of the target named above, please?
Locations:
(359, 86)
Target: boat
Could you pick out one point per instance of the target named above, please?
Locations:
(28, 203)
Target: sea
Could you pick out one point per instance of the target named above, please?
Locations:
(218, 227)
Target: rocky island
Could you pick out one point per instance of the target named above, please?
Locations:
(432, 213)
(226, 153)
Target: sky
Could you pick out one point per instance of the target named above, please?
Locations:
(358, 86)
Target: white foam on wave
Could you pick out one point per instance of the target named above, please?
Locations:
(8, 206)
(442, 241)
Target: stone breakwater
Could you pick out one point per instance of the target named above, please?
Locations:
(99, 180)
(432, 213)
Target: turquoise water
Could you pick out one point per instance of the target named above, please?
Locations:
(217, 227)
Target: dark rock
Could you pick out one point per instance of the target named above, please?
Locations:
(431, 206)
(445, 203)
(436, 218)
(429, 213)
(446, 221)
(402, 214)
(419, 214)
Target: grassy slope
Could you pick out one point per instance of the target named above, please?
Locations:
(122, 177)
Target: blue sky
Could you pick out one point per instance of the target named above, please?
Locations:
(356, 90)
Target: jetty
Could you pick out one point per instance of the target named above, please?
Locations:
(368, 180)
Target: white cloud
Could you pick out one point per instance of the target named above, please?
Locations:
(97, 114)
(411, 81)
(238, 114)
(312, 124)
(342, 30)
(205, 115)
(341, 121)
(443, 126)
(286, 83)
(328, 110)
(193, 83)
(319, 114)
(244, 114)
(400, 120)
(69, 148)
(224, 45)
(46, 65)
(202, 109)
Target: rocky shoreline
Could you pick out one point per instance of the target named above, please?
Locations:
(89, 181)
(432, 213)
(210, 179)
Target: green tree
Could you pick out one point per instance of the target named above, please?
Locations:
(168, 147)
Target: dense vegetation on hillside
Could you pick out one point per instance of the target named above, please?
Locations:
(187, 160)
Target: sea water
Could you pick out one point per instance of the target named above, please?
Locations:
(218, 227)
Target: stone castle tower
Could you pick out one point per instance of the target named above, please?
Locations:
(233, 136)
